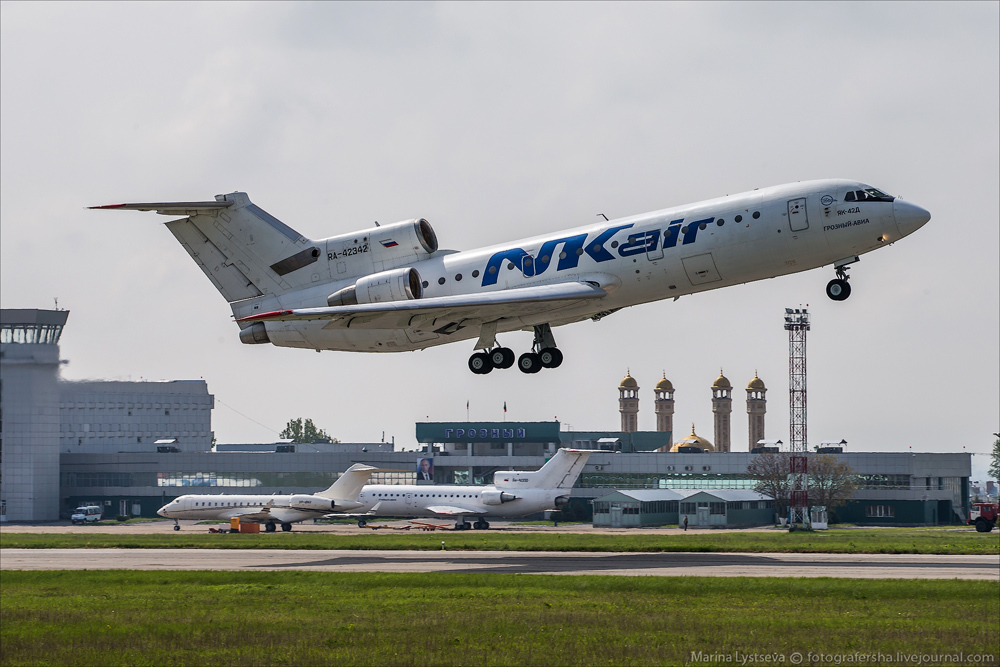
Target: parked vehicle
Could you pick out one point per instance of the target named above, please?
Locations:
(87, 514)
(983, 516)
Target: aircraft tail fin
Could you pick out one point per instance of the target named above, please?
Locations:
(244, 250)
(350, 483)
(559, 472)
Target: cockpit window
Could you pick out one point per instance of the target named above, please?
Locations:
(874, 194)
(868, 194)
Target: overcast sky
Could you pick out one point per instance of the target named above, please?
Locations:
(497, 121)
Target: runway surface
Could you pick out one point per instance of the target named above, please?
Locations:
(854, 566)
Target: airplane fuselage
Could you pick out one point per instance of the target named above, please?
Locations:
(648, 257)
(414, 500)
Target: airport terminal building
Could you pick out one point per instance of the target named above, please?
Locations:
(132, 447)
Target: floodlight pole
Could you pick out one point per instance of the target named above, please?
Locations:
(797, 324)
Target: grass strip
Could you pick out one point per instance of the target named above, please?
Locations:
(310, 618)
(873, 541)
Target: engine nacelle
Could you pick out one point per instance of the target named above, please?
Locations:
(497, 497)
(304, 502)
(561, 501)
(254, 334)
(393, 285)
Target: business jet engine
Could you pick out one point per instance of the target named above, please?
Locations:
(497, 497)
(316, 503)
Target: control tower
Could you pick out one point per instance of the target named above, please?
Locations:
(29, 413)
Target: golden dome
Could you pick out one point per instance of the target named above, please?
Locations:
(722, 382)
(693, 440)
(664, 384)
(756, 383)
(628, 382)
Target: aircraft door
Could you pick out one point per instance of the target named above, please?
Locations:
(409, 500)
(654, 247)
(798, 218)
(701, 269)
(335, 259)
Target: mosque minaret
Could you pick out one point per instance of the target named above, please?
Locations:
(722, 408)
(756, 407)
(628, 403)
(664, 405)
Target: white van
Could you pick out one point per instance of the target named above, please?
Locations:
(87, 514)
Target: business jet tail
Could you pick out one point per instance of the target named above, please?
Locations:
(559, 472)
(349, 485)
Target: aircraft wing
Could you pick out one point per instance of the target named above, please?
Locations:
(262, 513)
(451, 510)
(441, 311)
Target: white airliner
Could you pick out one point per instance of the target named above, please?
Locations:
(513, 493)
(271, 510)
(390, 288)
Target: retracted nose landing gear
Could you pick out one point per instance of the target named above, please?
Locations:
(839, 289)
(543, 354)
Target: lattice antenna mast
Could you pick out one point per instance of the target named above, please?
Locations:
(797, 324)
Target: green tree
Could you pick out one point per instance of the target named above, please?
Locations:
(299, 430)
(995, 460)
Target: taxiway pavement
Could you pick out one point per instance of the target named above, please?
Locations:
(853, 566)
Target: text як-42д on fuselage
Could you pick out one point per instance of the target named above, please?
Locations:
(390, 288)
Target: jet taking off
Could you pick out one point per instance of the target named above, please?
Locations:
(390, 288)
(342, 496)
(513, 493)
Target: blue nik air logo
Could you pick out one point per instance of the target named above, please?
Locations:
(570, 249)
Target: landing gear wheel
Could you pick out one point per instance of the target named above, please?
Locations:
(286, 527)
(479, 524)
(502, 357)
(550, 357)
(176, 527)
(838, 289)
(362, 523)
(269, 527)
(529, 362)
(480, 363)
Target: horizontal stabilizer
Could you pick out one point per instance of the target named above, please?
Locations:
(169, 208)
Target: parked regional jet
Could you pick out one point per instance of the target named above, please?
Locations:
(390, 288)
(270, 510)
(513, 493)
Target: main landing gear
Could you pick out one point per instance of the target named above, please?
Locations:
(270, 527)
(839, 289)
(480, 524)
(543, 354)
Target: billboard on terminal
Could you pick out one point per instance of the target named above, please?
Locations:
(443, 432)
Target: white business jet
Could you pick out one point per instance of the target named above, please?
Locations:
(513, 493)
(272, 510)
(390, 288)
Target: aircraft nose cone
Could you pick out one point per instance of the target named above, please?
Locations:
(162, 511)
(909, 217)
